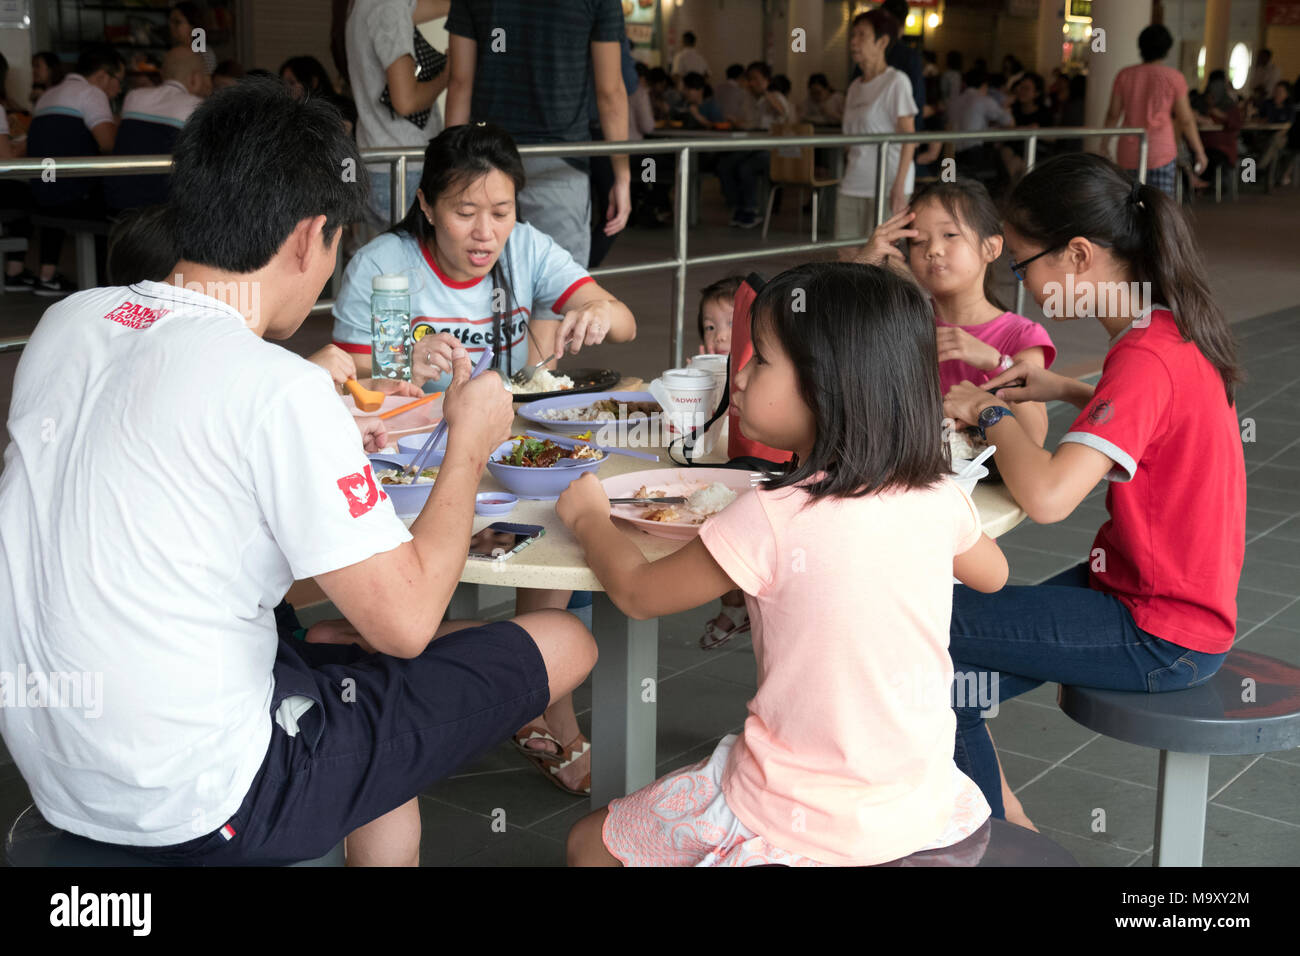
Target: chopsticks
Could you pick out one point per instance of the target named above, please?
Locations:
(647, 501)
(561, 439)
(422, 456)
(410, 405)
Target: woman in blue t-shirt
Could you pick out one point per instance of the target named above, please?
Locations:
(478, 277)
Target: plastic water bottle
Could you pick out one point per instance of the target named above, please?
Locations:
(390, 327)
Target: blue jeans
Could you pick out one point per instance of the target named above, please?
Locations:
(1007, 643)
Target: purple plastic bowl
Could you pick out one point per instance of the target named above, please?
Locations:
(407, 499)
(536, 482)
(494, 504)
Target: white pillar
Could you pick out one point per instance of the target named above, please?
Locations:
(1122, 20)
(1051, 17)
(805, 15)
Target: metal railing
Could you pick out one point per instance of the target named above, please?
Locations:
(685, 149)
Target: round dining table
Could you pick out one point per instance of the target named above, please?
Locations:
(624, 682)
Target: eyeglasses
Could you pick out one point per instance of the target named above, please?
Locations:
(1018, 268)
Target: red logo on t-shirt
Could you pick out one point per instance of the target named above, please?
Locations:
(136, 316)
(1101, 412)
(361, 492)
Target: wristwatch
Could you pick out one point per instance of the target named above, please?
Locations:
(991, 416)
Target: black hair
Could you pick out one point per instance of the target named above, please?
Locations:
(1078, 86)
(929, 56)
(99, 56)
(722, 290)
(1265, 55)
(975, 77)
(688, 38)
(896, 9)
(969, 203)
(758, 66)
(229, 68)
(781, 83)
(641, 69)
(1082, 194)
(734, 71)
(882, 23)
(1015, 67)
(141, 245)
(997, 81)
(258, 73)
(239, 188)
(861, 340)
(190, 11)
(4, 74)
(1037, 80)
(820, 80)
(658, 74)
(453, 160)
(52, 63)
(954, 60)
(309, 71)
(1154, 43)
(694, 81)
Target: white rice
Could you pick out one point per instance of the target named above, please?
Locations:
(710, 500)
(544, 380)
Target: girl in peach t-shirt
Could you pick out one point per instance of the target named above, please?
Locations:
(846, 562)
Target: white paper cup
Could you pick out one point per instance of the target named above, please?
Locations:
(717, 366)
(687, 400)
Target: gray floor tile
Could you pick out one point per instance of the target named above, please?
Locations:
(668, 764)
(1259, 521)
(1089, 852)
(5, 759)
(1054, 538)
(1272, 499)
(1233, 838)
(1277, 550)
(735, 666)
(1290, 458)
(1069, 800)
(522, 792)
(558, 825)
(1042, 694)
(1268, 789)
(693, 710)
(449, 834)
(1273, 641)
(1255, 605)
(1042, 732)
(1271, 476)
(1020, 769)
(517, 847)
(1031, 566)
(1141, 765)
(1288, 617)
(1261, 575)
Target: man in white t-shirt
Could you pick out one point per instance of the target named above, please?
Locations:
(150, 531)
(152, 117)
(73, 118)
(689, 59)
(380, 40)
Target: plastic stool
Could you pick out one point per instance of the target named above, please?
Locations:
(32, 841)
(1187, 726)
(996, 843)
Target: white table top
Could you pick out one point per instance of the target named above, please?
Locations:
(555, 561)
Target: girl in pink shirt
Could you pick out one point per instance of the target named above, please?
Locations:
(846, 757)
(955, 234)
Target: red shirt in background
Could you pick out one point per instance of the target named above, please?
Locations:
(1174, 544)
(1147, 94)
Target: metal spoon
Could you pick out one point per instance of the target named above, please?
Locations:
(525, 374)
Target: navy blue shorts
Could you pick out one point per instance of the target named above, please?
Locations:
(382, 730)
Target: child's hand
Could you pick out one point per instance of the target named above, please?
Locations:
(965, 401)
(1027, 382)
(882, 245)
(584, 498)
(955, 343)
(335, 361)
(374, 436)
(392, 386)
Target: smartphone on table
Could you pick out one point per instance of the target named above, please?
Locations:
(501, 539)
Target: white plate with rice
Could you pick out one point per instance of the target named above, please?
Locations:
(708, 491)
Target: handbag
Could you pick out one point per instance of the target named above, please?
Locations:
(428, 64)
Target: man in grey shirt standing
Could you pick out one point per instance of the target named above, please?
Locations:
(522, 66)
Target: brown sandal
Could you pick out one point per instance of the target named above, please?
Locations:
(533, 732)
(551, 769)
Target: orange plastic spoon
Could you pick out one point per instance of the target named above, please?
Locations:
(366, 400)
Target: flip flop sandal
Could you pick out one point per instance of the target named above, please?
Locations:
(715, 636)
(552, 770)
(538, 732)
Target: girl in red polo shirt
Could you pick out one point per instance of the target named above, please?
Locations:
(1153, 607)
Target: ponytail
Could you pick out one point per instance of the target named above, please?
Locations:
(1081, 194)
